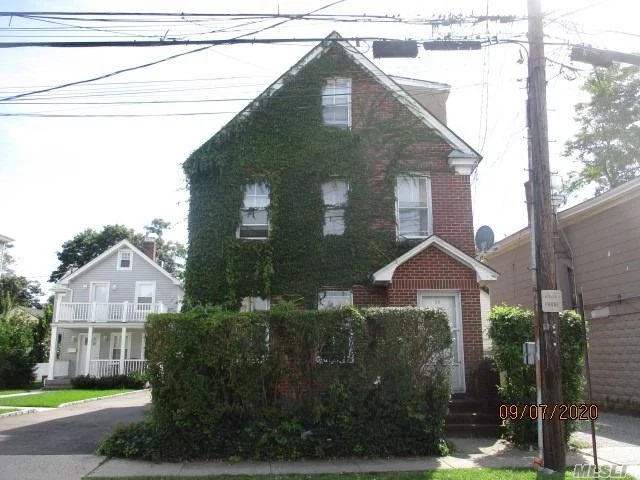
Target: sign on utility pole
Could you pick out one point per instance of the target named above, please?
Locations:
(547, 331)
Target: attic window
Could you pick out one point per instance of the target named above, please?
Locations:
(336, 102)
(254, 220)
(334, 195)
(125, 260)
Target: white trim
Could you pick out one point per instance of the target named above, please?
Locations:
(459, 330)
(119, 261)
(429, 207)
(416, 82)
(344, 294)
(127, 345)
(384, 276)
(349, 98)
(386, 81)
(65, 280)
(78, 347)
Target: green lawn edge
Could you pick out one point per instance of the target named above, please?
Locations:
(440, 474)
(7, 410)
(54, 398)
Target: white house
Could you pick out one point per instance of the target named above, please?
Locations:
(100, 312)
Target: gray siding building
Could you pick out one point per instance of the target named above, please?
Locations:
(598, 254)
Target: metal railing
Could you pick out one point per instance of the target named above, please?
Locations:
(93, 312)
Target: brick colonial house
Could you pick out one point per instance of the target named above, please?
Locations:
(340, 185)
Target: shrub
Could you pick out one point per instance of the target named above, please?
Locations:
(134, 440)
(133, 380)
(289, 384)
(16, 351)
(509, 328)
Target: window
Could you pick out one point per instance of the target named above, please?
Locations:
(254, 221)
(334, 195)
(116, 343)
(413, 196)
(334, 299)
(125, 260)
(336, 102)
(252, 304)
(145, 296)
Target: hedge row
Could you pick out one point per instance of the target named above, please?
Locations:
(509, 328)
(291, 384)
(133, 380)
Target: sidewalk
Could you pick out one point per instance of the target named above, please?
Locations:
(470, 453)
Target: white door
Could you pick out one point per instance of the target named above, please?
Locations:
(83, 340)
(449, 303)
(100, 295)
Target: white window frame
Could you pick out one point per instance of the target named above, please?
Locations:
(329, 207)
(119, 264)
(248, 304)
(266, 209)
(137, 291)
(348, 294)
(324, 294)
(429, 208)
(329, 100)
(113, 346)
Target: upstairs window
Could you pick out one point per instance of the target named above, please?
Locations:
(334, 299)
(254, 222)
(413, 216)
(125, 260)
(336, 102)
(334, 195)
(253, 304)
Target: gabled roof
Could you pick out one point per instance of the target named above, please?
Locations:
(122, 243)
(582, 211)
(483, 272)
(4, 239)
(460, 147)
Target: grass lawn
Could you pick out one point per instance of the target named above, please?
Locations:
(452, 474)
(7, 410)
(11, 392)
(54, 398)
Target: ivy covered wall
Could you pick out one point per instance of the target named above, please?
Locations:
(284, 144)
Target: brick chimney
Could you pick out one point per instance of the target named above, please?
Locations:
(149, 248)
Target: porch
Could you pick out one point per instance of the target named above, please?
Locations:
(97, 350)
(97, 312)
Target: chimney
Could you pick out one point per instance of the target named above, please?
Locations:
(149, 248)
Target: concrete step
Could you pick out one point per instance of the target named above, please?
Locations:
(475, 430)
(56, 383)
(472, 418)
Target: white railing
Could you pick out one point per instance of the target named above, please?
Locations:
(107, 368)
(93, 312)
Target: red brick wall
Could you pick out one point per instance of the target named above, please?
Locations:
(433, 269)
(424, 152)
(364, 296)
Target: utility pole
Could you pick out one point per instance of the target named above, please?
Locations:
(547, 323)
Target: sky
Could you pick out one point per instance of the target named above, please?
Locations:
(60, 176)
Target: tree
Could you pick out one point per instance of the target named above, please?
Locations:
(608, 143)
(88, 244)
(18, 291)
(16, 347)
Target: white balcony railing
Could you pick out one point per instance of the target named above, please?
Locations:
(108, 368)
(93, 312)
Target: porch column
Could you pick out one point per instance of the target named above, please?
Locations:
(87, 360)
(123, 345)
(143, 345)
(52, 351)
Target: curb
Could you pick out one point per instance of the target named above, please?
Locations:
(22, 411)
(94, 399)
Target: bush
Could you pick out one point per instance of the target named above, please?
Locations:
(134, 440)
(16, 351)
(509, 328)
(288, 384)
(107, 383)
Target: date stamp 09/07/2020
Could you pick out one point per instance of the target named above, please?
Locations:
(561, 411)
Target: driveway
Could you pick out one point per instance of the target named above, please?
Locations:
(77, 429)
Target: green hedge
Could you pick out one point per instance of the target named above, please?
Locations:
(325, 383)
(509, 328)
(134, 380)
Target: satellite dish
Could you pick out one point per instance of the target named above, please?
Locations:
(484, 238)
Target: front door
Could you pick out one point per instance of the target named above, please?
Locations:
(83, 340)
(450, 304)
(100, 296)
